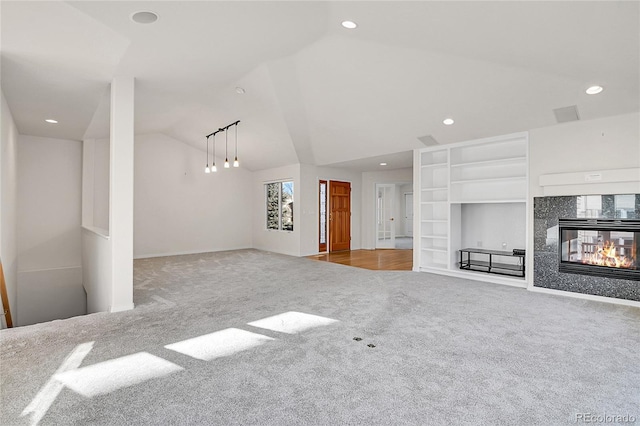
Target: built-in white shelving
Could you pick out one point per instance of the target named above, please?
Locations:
(434, 215)
(489, 171)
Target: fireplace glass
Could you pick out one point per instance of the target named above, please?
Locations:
(600, 247)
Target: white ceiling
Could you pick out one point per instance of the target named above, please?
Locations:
(317, 93)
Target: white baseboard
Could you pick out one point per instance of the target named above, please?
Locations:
(592, 297)
(182, 253)
(122, 308)
(479, 276)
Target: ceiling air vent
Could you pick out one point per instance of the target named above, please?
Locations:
(428, 140)
(566, 114)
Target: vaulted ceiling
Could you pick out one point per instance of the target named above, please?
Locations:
(315, 92)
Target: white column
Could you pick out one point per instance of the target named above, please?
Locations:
(88, 153)
(121, 192)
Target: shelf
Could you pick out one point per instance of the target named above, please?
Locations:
(434, 165)
(435, 249)
(490, 266)
(491, 171)
(515, 200)
(491, 162)
(500, 179)
(434, 265)
(494, 265)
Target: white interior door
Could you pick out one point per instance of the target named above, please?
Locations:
(408, 214)
(385, 222)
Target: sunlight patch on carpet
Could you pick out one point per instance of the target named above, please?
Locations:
(108, 376)
(219, 344)
(50, 391)
(292, 322)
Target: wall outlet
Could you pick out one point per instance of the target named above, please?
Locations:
(479, 243)
(504, 245)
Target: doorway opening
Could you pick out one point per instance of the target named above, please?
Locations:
(334, 216)
(394, 215)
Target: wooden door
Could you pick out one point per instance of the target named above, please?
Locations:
(339, 216)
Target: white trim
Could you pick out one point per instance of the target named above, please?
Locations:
(611, 181)
(183, 253)
(278, 180)
(266, 206)
(98, 231)
(123, 308)
(518, 282)
(57, 268)
(591, 177)
(350, 212)
(487, 140)
(591, 297)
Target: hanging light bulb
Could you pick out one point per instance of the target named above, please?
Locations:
(235, 162)
(206, 169)
(213, 167)
(226, 155)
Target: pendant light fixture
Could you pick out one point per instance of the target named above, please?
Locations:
(225, 129)
(206, 169)
(235, 162)
(213, 167)
(226, 152)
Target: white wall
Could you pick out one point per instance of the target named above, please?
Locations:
(606, 143)
(369, 181)
(97, 270)
(101, 184)
(492, 225)
(594, 145)
(49, 237)
(8, 203)
(285, 242)
(180, 209)
(310, 176)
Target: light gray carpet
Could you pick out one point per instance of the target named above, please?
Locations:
(448, 351)
(404, 243)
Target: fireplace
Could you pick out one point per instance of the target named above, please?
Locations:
(600, 247)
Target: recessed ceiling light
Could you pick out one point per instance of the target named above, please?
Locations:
(144, 17)
(383, 164)
(594, 90)
(52, 121)
(240, 90)
(349, 24)
(448, 121)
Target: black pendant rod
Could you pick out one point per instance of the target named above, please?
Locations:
(222, 129)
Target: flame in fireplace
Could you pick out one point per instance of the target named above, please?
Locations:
(607, 256)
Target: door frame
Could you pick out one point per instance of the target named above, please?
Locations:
(329, 180)
(406, 228)
(323, 247)
(392, 224)
(372, 238)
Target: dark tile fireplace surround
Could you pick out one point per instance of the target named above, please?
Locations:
(614, 213)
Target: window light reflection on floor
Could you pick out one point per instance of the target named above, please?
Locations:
(219, 344)
(292, 322)
(108, 376)
(50, 391)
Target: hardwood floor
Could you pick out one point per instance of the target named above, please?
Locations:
(378, 260)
